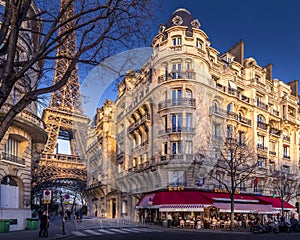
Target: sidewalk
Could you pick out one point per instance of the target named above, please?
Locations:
(55, 232)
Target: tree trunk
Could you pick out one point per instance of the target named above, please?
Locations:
(232, 211)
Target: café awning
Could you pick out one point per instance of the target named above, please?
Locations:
(175, 199)
(276, 203)
(246, 208)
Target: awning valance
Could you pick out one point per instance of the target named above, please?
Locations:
(246, 208)
(182, 208)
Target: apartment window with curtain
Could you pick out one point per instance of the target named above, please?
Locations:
(176, 147)
(176, 123)
(176, 97)
(189, 123)
(189, 145)
(176, 70)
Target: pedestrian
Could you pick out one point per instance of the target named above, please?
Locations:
(169, 220)
(44, 225)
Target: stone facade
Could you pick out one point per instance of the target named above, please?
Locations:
(179, 106)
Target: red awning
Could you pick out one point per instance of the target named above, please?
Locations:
(175, 198)
(245, 208)
(276, 202)
(225, 197)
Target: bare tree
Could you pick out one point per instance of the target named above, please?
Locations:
(285, 184)
(32, 32)
(235, 165)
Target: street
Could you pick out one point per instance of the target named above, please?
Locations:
(93, 228)
(180, 235)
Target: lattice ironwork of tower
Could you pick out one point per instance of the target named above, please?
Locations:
(64, 118)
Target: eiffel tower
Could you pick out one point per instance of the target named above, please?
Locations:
(64, 119)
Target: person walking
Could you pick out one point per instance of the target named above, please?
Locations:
(169, 219)
(44, 225)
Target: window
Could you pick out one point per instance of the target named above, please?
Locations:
(165, 123)
(260, 119)
(216, 131)
(199, 43)
(260, 142)
(189, 70)
(176, 147)
(188, 94)
(164, 148)
(176, 97)
(176, 70)
(188, 149)
(9, 193)
(177, 178)
(229, 107)
(11, 149)
(241, 138)
(286, 151)
(260, 162)
(189, 124)
(176, 123)
(177, 41)
(229, 131)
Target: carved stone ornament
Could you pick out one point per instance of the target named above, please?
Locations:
(177, 20)
(195, 23)
(161, 28)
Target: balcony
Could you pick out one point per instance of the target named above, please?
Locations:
(189, 74)
(261, 147)
(262, 125)
(186, 102)
(276, 132)
(177, 130)
(13, 159)
(286, 157)
(262, 105)
(244, 120)
(142, 120)
(141, 147)
(245, 99)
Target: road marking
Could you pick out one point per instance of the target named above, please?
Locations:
(145, 230)
(118, 230)
(92, 232)
(79, 234)
(105, 231)
(130, 230)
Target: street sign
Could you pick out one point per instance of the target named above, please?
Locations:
(47, 196)
(67, 199)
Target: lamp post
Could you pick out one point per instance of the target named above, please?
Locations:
(150, 203)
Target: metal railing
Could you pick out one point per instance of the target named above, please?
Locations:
(13, 158)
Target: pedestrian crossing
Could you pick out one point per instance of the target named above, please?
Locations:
(89, 232)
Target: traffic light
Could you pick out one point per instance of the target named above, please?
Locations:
(297, 207)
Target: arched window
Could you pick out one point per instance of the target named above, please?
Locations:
(229, 107)
(177, 40)
(9, 193)
(260, 119)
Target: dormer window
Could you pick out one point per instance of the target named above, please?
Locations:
(199, 43)
(177, 40)
(177, 20)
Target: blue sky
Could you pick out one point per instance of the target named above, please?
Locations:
(270, 29)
